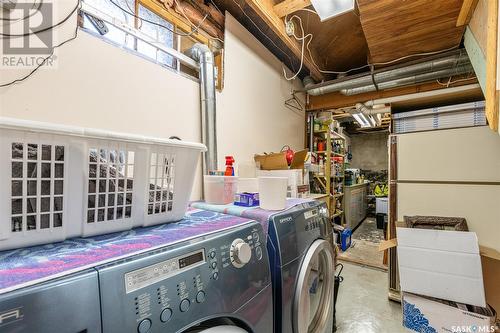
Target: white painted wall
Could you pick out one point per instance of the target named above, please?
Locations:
(252, 116)
(99, 85)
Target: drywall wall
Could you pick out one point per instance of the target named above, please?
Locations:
(252, 116)
(465, 154)
(98, 85)
(370, 151)
(453, 172)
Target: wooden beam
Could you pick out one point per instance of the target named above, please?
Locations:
(466, 11)
(491, 65)
(265, 9)
(289, 6)
(336, 100)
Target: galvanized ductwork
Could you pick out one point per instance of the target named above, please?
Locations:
(454, 63)
(205, 57)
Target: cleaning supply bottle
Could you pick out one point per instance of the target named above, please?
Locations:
(229, 166)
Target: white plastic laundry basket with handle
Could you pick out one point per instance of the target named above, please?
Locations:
(60, 182)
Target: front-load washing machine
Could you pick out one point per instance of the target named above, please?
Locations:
(216, 283)
(302, 264)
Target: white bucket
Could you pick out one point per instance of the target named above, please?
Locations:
(220, 190)
(272, 192)
(250, 185)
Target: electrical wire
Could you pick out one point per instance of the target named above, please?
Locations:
(450, 82)
(11, 21)
(364, 66)
(34, 70)
(47, 28)
(213, 3)
(303, 39)
(161, 25)
(192, 24)
(262, 32)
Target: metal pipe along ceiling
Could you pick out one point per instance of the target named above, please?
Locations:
(455, 64)
(205, 57)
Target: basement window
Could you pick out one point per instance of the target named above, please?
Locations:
(112, 34)
(162, 32)
(159, 30)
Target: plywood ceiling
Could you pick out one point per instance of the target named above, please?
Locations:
(339, 42)
(397, 28)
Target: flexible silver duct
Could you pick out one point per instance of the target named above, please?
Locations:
(393, 77)
(205, 57)
(410, 80)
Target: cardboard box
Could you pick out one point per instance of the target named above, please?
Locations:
(427, 315)
(441, 264)
(437, 263)
(298, 181)
(277, 161)
(490, 260)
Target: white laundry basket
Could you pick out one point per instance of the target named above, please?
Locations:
(59, 182)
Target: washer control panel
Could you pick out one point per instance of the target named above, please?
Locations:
(149, 275)
(169, 289)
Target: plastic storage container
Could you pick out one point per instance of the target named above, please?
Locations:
(61, 182)
(250, 185)
(272, 192)
(220, 190)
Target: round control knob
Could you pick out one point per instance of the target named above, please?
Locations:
(184, 306)
(165, 315)
(200, 296)
(258, 252)
(144, 326)
(241, 253)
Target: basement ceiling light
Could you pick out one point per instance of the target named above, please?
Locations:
(327, 9)
(361, 120)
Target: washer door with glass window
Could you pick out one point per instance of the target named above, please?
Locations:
(314, 290)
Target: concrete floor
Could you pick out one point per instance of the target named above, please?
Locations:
(364, 247)
(362, 304)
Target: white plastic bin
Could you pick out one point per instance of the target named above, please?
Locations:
(61, 182)
(272, 192)
(220, 190)
(250, 185)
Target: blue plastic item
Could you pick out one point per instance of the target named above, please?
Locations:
(345, 239)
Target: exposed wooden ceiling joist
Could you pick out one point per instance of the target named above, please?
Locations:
(289, 6)
(265, 9)
(466, 11)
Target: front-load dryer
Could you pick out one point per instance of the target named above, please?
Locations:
(302, 264)
(218, 283)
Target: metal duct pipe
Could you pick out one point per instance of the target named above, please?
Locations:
(370, 111)
(410, 80)
(459, 58)
(205, 57)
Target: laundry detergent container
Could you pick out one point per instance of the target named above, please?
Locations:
(60, 182)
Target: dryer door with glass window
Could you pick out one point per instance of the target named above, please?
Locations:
(314, 290)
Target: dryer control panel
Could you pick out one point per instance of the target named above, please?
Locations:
(170, 289)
